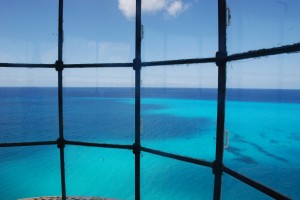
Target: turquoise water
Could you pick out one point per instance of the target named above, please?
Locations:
(264, 138)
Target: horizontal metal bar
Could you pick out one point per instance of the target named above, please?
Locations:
(268, 191)
(98, 65)
(89, 144)
(179, 62)
(27, 65)
(294, 48)
(114, 65)
(265, 52)
(20, 144)
(178, 157)
(145, 64)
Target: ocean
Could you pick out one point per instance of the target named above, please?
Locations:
(263, 128)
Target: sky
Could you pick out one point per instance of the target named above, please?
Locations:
(103, 31)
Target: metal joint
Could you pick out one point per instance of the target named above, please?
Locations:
(216, 168)
(136, 148)
(60, 143)
(137, 64)
(221, 58)
(59, 65)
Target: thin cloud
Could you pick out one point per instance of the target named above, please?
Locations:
(153, 5)
(174, 8)
(171, 7)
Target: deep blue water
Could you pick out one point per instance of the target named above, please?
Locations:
(264, 141)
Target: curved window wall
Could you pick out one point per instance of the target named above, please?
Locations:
(141, 99)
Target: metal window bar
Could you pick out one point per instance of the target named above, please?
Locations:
(221, 63)
(265, 52)
(268, 191)
(137, 68)
(59, 68)
(294, 48)
(23, 144)
(178, 157)
(220, 59)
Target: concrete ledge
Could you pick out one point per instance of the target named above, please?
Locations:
(68, 198)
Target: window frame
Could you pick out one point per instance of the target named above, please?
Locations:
(220, 60)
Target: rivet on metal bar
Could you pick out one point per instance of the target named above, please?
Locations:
(137, 64)
(136, 148)
(226, 145)
(221, 58)
(142, 31)
(59, 65)
(228, 17)
(60, 143)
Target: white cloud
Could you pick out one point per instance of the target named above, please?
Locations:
(172, 7)
(127, 7)
(175, 7)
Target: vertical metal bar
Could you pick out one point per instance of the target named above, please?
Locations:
(60, 29)
(137, 144)
(138, 30)
(59, 68)
(222, 16)
(221, 57)
(137, 68)
(61, 142)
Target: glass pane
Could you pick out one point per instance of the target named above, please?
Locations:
(259, 24)
(28, 102)
(99, 172)
(263, 121)
(29, 172)
(235, 189)
(179, 109)
(179, 29)
(28, 31)
(168, 179)
(97, 32)
(99, 105)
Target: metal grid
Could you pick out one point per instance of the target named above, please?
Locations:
(220, 60)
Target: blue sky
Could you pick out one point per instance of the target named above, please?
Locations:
(102, 31)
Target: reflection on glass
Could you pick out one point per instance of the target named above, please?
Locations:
(179, 29)
(28, 110)
(179, 109)
(262, 24)
(99, 172)
(29, 172)
(235, 189)
(99, 105)
(274, 72)
(164, 178)
(23, 38)
(262, 117)
(97, 32)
